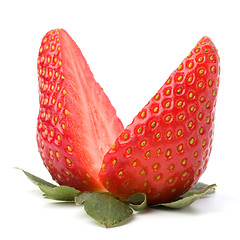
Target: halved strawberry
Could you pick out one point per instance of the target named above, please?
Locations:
(166, 148)
(77, 123)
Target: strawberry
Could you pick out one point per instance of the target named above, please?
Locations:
(76, 123)
(166, 148)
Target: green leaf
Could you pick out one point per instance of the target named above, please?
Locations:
(196, 192)
(36, 180)
(138, 201)
(104, 208)
(51, 191)
(61, 193)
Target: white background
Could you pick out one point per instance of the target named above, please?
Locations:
(131, 47)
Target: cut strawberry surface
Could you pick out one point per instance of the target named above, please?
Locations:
(77, 123)
(166, 148)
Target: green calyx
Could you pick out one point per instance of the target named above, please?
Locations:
(108, 210)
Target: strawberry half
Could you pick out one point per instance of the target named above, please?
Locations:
(166, 148)
(77, 123)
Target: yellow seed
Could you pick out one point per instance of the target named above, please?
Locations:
(69, 148)
(103, 165)
(114, 146)
(114, 162)
(200, 84)
(53, 47)
(191, 108)
(159, 151)
(168, 92)
(184, 161)
(180, 103)
(173, 190)
(167, 119)
(64, 92)
(143, 172)
(59, 105)
(134, 164)
(155, 110)
(190, 95)
(153, 124)
(50, 163)
(66, 112)
(126, 136)
(158, 176)
(67, 172)
(147, 154)
(157, 97)
(197, 50)
(57, 155)
(211, 58)
(60, 63)
(180, 67)
(191, 141)
(207, 119)
(62, 77)
(184, 174)
(212, 69)
(48, 59)
(179, 132)
(190, 65)
(158, 135)
(190, 124)
(56, 74)
(120, 173)
(47, 47)
(195, 154)
(213, 93)
(68, 161)
(143, 143)
(202, 99)
(190, 79)
(200, 115)
(168, 152)
(51, 133)
(53, 101)
(167, 105)
(207, 105)
(180, 147)
(200, 59)
(170, 180)
(179, 90)
(145, 184)
(139, 130)
(143, 114)
(180, 78)
(63, 126)
(180, 117)
(210, 82)
(129, 150)
(50, 74)
(201, 71)
(59, 138)
(169, 133)
(155, 166)
(201, 130)
(171, 167)
(59, 49)
(168, 81)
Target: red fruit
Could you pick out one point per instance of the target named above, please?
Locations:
(77, 123)
(166, 148)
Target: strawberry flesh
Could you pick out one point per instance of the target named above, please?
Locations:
(166, 148)
(77, 123)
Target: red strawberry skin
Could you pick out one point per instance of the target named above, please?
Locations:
(166, 148)
(77, 123)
